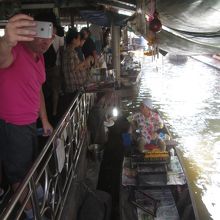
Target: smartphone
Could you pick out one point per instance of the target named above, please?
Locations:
(40, 131)
(44, 29)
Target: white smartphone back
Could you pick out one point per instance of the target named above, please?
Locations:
(44, 29)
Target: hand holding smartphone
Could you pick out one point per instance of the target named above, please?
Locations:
(40, 132)
(43, 29)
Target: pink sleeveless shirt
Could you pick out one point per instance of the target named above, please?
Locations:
(20, 86)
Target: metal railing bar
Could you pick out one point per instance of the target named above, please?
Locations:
(35, 205)
(43, 168)
(74, 121)
(65, 195)
(28, 197)
(46, 192)
(71, 178)
(77, 159)
(24, 184)
(56, 187)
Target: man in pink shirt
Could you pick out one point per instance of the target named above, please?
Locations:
(22, 74)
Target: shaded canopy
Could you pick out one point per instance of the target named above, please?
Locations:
(190, 26)
(103, 18)
(194, 16)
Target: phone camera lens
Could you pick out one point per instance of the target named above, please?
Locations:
(42, 29)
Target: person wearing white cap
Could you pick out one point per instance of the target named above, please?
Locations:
(147, 103)
(147, 122)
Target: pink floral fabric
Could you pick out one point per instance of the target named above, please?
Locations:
(147, 126)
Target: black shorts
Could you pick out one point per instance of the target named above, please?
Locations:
(18, 149)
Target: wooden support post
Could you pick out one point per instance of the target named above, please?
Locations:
(116, 52)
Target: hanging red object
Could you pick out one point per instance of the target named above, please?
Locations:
(155, 25)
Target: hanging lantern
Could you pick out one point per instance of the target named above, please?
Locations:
(151, 38)
(155, 25)
(149, 53)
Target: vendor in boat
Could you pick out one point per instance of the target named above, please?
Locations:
(145, 125)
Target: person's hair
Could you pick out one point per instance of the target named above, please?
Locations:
(86, 30)
(50, 17)
(46, 16)
(71, 34)
(82, 36)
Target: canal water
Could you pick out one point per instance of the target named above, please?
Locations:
(188, 96)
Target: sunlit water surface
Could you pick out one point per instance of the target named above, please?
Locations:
(188, 96)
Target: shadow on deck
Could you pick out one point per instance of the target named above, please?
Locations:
(95, 193)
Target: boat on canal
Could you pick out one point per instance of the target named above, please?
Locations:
(153, 183)
(154, 186)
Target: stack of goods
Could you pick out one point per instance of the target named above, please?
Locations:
(157, 156)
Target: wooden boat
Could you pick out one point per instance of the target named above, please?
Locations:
(211, 60)
(144, 186)
(154, 186)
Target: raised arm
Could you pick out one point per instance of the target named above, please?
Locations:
(16, 30)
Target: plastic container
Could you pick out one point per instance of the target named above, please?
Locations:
(161, 136)
(172, 152)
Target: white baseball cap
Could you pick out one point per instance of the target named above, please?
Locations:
(148, 103)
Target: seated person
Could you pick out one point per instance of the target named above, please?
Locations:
(147, 123)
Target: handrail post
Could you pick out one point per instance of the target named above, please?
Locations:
(34, 199)
(73, 125)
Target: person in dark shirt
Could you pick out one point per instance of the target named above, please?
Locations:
(50, 61)
(52, 86)
(89, 48)
(106, 36)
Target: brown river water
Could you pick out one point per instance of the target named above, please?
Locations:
(188, 97)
